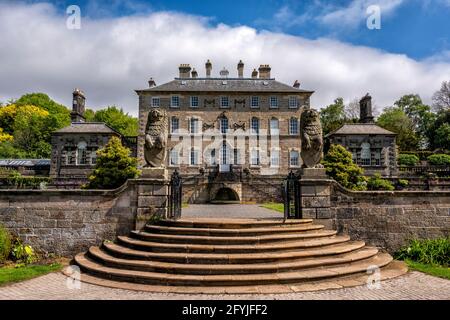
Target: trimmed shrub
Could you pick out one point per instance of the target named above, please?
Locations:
(5, 244)
(429, 251)
(378, 183)
(408, 160)
(439, 159)
(403, 183)
(339, 165)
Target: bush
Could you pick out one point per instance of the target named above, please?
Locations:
(439, 159)
(421, 154)
(5, 244)
(403, 183)
(408, 159)
(339, 165)
(377, 183)
(22, 253)
(429, 251)
(114, 166)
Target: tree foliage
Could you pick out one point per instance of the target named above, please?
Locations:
(408, 159)
(114, 166)
(439, 159)
(340, 166)
(396, 120)
(439, 131)
(117, 119)
(336, 114)
(441, 98)
(378, 183)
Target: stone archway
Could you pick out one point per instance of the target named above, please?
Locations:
(226, 194)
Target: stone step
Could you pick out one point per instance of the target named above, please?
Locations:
(223, 258)
(344, 255)
(278, 246)
(218, 232)
(233, 223)
(191, 239)
(86, 264)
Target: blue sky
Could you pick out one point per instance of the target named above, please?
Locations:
(325, 45)
(417, 28)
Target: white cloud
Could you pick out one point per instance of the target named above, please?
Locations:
(110, 57)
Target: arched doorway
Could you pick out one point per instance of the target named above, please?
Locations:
(226, 194)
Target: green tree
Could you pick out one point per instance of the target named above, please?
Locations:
(114, 166)
(119, 120)
(339, 165)
(396, 120)
(441, 98)
(420, 115)
(439, 131)
(333, 116)
(59, 113)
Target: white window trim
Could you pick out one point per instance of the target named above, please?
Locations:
(270, 102)
(278, 150)
(221, 102)
(289, 158)
(289, 102)
(298, 125)
(159, 102)
(198, 102)
(199, 154)
(171, 101)
(252, 165)
(177, 165)
(251, 102)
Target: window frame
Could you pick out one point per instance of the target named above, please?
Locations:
(153, 100)
(290, 159)
(251, 125)
(293, 98)
(172, 105)
(291, 121)
(227, 99)
(172, 131)
(252, 100)
(271, 99)
(191, 100)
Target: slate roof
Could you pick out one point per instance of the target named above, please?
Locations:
(87, 127)
(360, 128)
(224, 85)
(24, 162)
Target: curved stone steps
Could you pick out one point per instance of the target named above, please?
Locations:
(235, 232)
(155, 278)
(233, 223)
(235, 258)
(150, 246)
(192, 239)
(351, 254)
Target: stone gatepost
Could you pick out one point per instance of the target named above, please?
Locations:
(315, 193)
(152, 196)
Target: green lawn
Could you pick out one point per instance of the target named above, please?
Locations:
(441, 272)
(274, 206)
(11, 274)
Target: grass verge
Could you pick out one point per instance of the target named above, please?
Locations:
(279, 207)
(10, 274)
(437, 271)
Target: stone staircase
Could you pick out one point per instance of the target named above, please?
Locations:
(233, 256)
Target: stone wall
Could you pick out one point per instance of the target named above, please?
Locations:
(389, 219)
(66, 222)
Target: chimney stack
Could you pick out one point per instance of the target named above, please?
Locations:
(240, 68)
(194, 73)
(151, 83)
(208, 66)
(264, 71)
(78, 104)
(365, 109)
(254, 74)
(296, 84)
(185, 71)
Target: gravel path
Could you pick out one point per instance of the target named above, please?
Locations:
(413, 285)
(250, 211)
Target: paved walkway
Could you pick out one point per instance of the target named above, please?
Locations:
(414, 285)
(242, 211)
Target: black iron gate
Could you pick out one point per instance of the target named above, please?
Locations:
(175, 196)
(291, 197)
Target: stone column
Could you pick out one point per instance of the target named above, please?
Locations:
(153, 200)
(315, 193)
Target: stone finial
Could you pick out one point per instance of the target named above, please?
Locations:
(224, 73)
(240, 68)
(365, 109)
(208, 66)
(254, 74)
(194, 73)
(296, 84)
(151, 83)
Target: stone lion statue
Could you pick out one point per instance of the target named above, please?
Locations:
(312, 138)
(156, 138)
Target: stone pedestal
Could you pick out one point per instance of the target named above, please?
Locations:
(155, 173)
(315, 192)
(152, 195)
